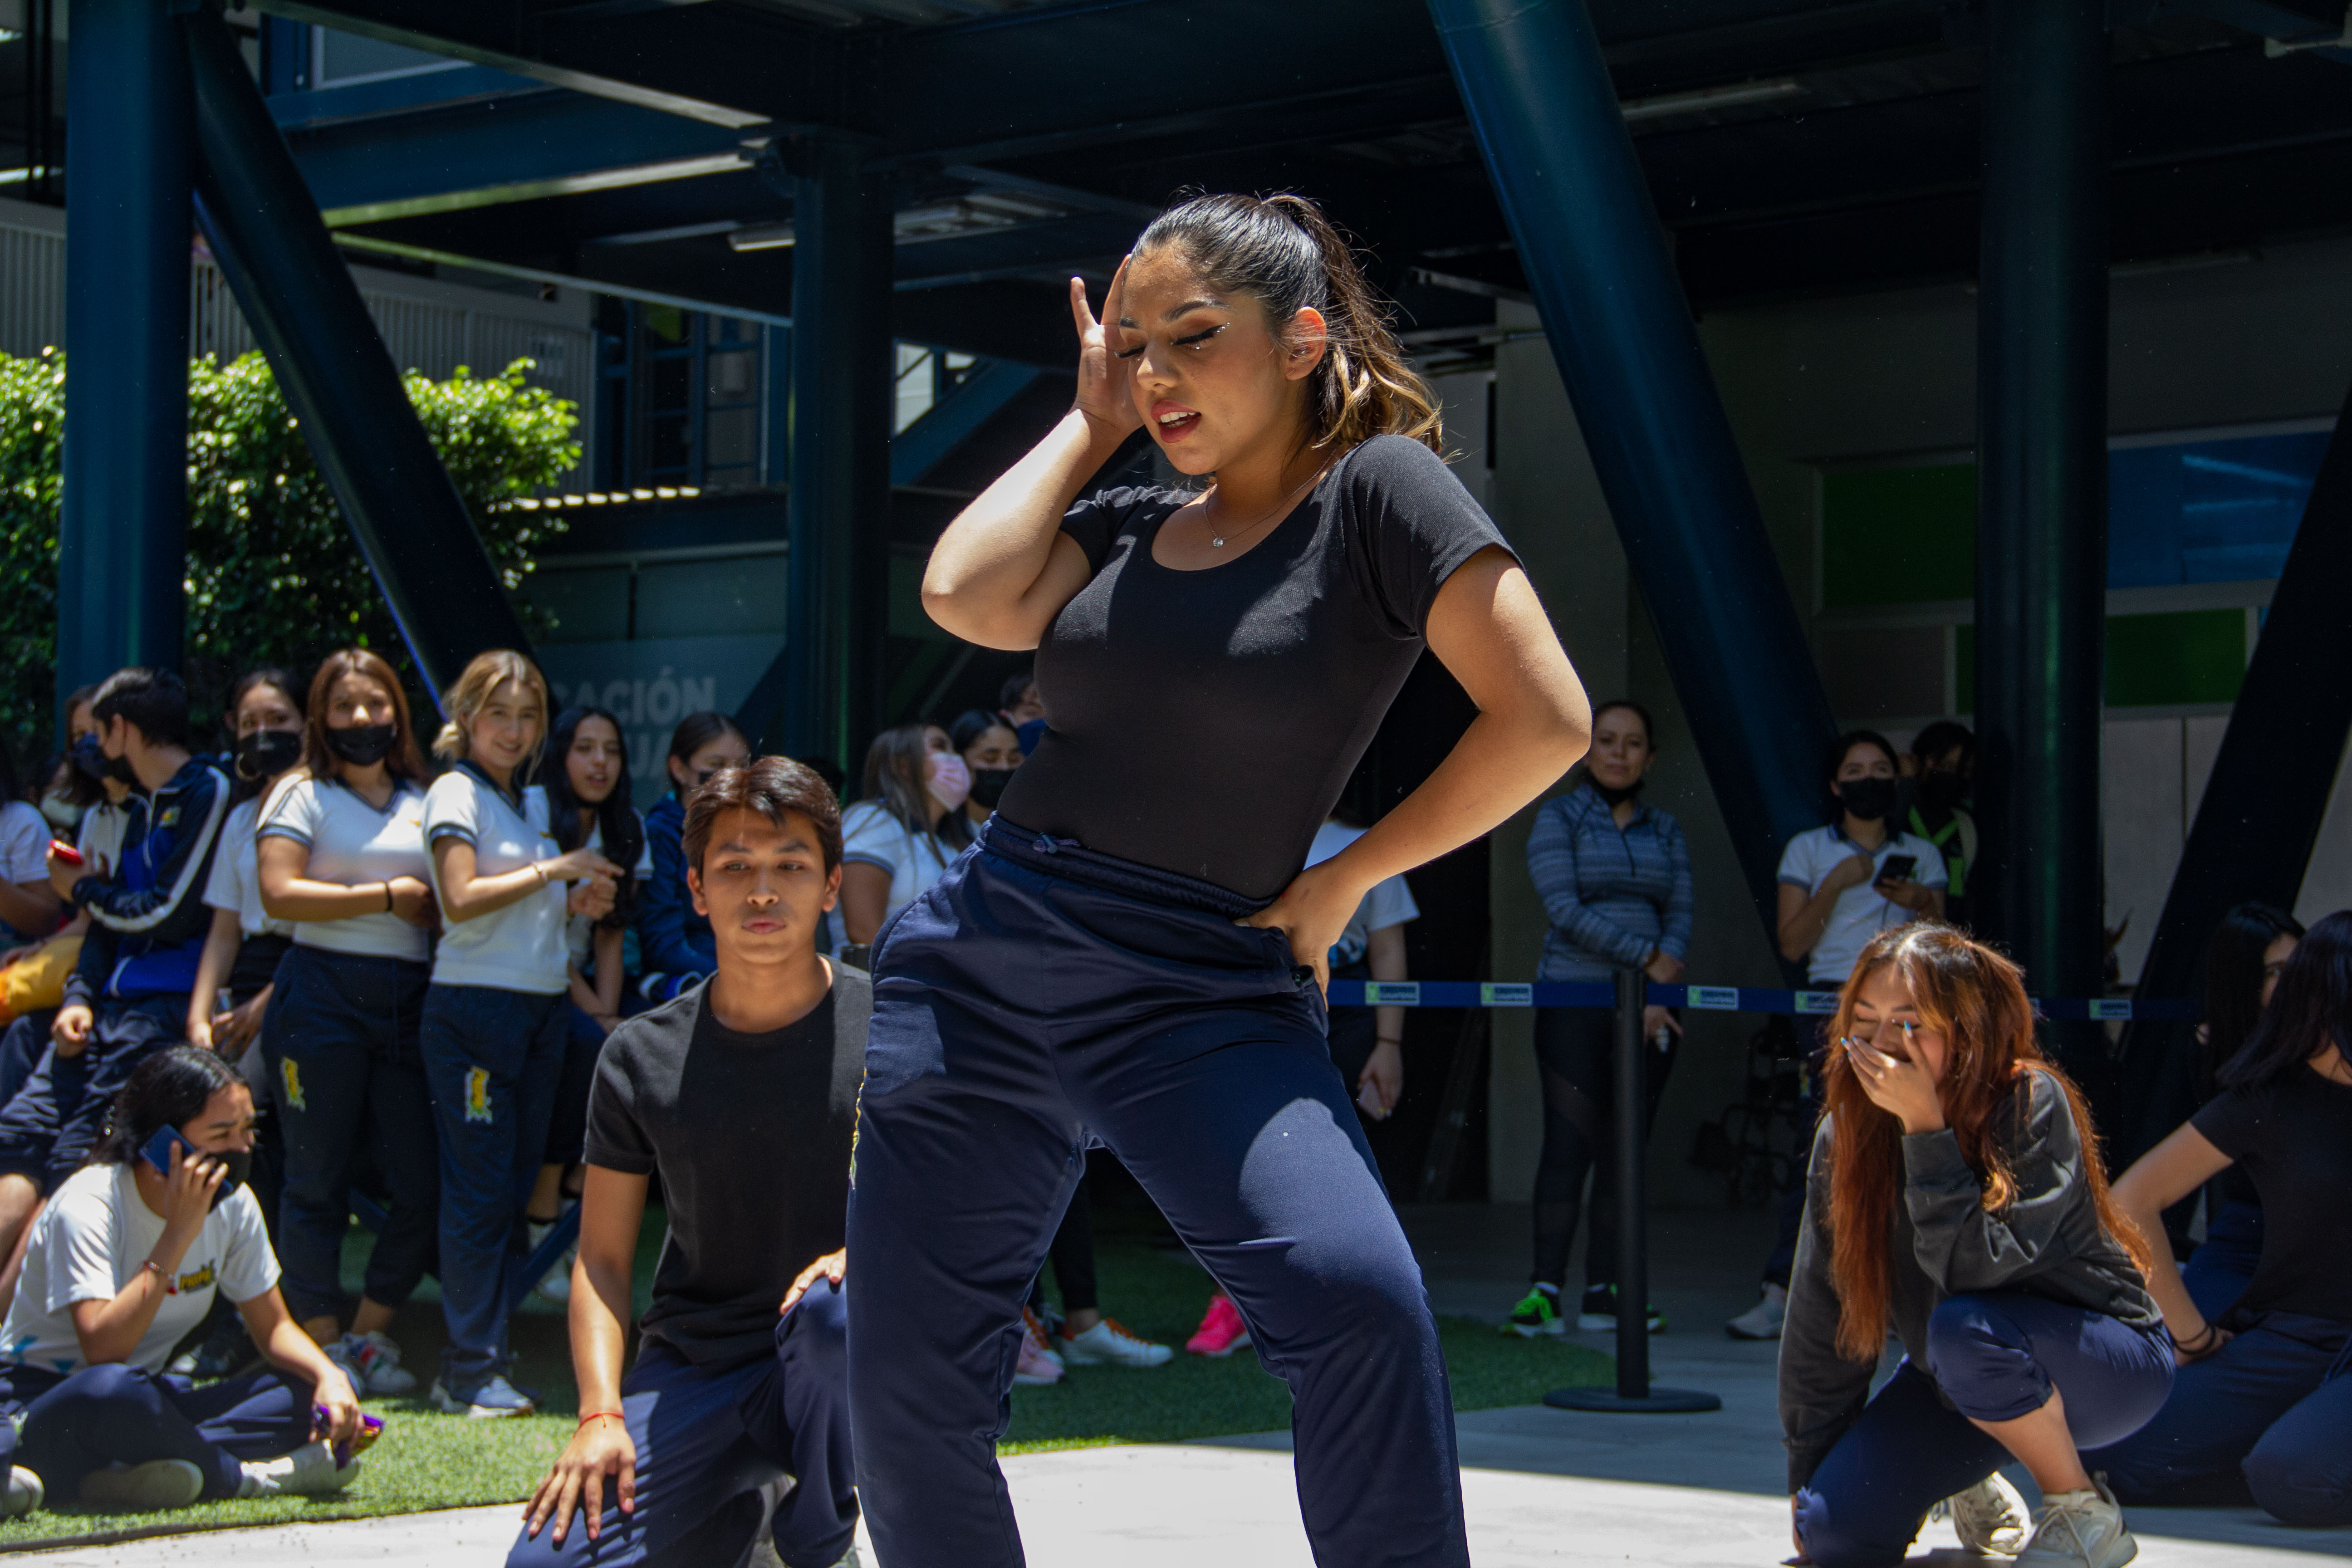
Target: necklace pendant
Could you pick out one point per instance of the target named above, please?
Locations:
(1216, 543)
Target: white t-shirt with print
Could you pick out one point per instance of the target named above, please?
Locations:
(94, 1236)
(24, 843)
(352, 843)
(580, 932)
(1860, 913)
(99, 837)
(1390, 903)
(236, 881)
(870, 836)
(521, 946)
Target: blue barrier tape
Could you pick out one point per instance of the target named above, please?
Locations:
(1696, 998)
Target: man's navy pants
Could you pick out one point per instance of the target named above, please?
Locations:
(713, 1446)
(1039, 998)
(1993, 1357)
(49, 1127)
(2266, 1419)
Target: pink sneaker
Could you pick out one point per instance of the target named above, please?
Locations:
(1222, 1330)
(1038, 1365)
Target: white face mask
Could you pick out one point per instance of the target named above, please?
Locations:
(61, 813)
(949, 779)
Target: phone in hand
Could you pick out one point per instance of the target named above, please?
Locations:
(64, 852)
(1898, 869)
(158, 1151)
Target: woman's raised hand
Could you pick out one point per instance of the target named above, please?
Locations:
(1903, 1087)
(1106, 382)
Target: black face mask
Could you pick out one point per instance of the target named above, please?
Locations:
(88, 758)
(988, 784)
(363, 744)
(1941, 791)
(236, 1169)
(265, 753)
(1868, 799)
(1613, 794)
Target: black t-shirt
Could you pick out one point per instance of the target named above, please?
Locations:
(2294, 1137)
(752, 1135)
(1204, 722)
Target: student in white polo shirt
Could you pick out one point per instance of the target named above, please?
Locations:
(498, 1010)
(341, 854)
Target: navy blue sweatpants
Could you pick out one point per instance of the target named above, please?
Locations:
(47, 1129)
(495, 1059)
(117, 1415)
(2223, 1264)
(1034, 1002)
(2266, 1419)
(1994, 1357)
(346, 1076)
(713, 1446)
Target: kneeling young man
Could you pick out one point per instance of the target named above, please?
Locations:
(743, 1095)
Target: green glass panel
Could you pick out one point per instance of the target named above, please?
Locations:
(1898, 536)
(2170, 660)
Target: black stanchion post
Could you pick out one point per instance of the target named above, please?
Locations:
(1633, 1394)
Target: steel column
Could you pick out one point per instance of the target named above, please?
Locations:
(839, 463)
(2265, 800)
(1539, 96)
(300, 299)
(123, 521)
(2042, 525)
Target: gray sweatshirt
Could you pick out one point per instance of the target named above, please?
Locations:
(2047, 1242)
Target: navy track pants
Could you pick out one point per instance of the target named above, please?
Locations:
(1031, 1002)
(58, 1116)
(112, 1414)
(2266, 1419)
(1996, 1356)
(714, 1444)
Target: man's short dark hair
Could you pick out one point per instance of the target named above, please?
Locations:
(768, 787)
(155, 701)
(1943, 736)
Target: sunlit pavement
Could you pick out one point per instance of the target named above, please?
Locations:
(1541, 1486)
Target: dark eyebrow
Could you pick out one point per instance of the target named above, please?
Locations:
(1171, 314)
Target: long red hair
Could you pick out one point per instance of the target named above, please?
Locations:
(1977, 999)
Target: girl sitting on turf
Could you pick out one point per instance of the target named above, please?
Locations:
(122, 1264)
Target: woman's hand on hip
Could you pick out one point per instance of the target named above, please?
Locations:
(1311, 913)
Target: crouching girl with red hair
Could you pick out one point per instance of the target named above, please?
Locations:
(1956, 1195)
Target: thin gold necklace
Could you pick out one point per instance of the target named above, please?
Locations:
(1217, 541)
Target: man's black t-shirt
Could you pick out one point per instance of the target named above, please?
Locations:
(1204, 722)
(752, 1135)
(2294, 1137)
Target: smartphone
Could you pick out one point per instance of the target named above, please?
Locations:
(158, 1151)
(1898, 869)
(64, 852)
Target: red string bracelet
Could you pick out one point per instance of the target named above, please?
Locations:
(600, 1415)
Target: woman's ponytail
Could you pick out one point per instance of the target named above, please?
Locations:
(1282, 251)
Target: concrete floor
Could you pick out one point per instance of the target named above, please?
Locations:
(1542, 1487)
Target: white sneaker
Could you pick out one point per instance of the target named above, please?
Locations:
(1762, 1320)
(556, 1284)
(372, 1363)
(308, 1471)
(2079, 1530)
(1108, 1344)
(1991, 1516)
(495, 1398)
(23, 1495)
(151, 1487)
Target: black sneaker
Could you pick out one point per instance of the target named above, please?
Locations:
(1597, 1313)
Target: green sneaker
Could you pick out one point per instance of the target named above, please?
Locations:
(1536, 1313)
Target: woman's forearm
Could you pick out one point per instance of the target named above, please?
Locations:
(1503, 761)
(983, 575)
(213, 965)
(466, 895)
(300, 899)
(29, 907)
(604, 946)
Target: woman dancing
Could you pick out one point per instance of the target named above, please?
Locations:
(1956, 1193)
(1140, 960)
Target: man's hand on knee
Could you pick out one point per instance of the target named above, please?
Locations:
(600, 1447)
(833, 1266)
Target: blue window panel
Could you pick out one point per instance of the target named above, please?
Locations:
(2208, 511)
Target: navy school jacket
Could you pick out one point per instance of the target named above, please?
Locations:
(147, 921)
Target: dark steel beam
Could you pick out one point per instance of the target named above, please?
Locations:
(2041, 517)
(410, 524)
(123, 516)
(2265, 800)
(1564, 168)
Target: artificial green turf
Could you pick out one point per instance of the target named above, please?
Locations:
(426, 1461)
